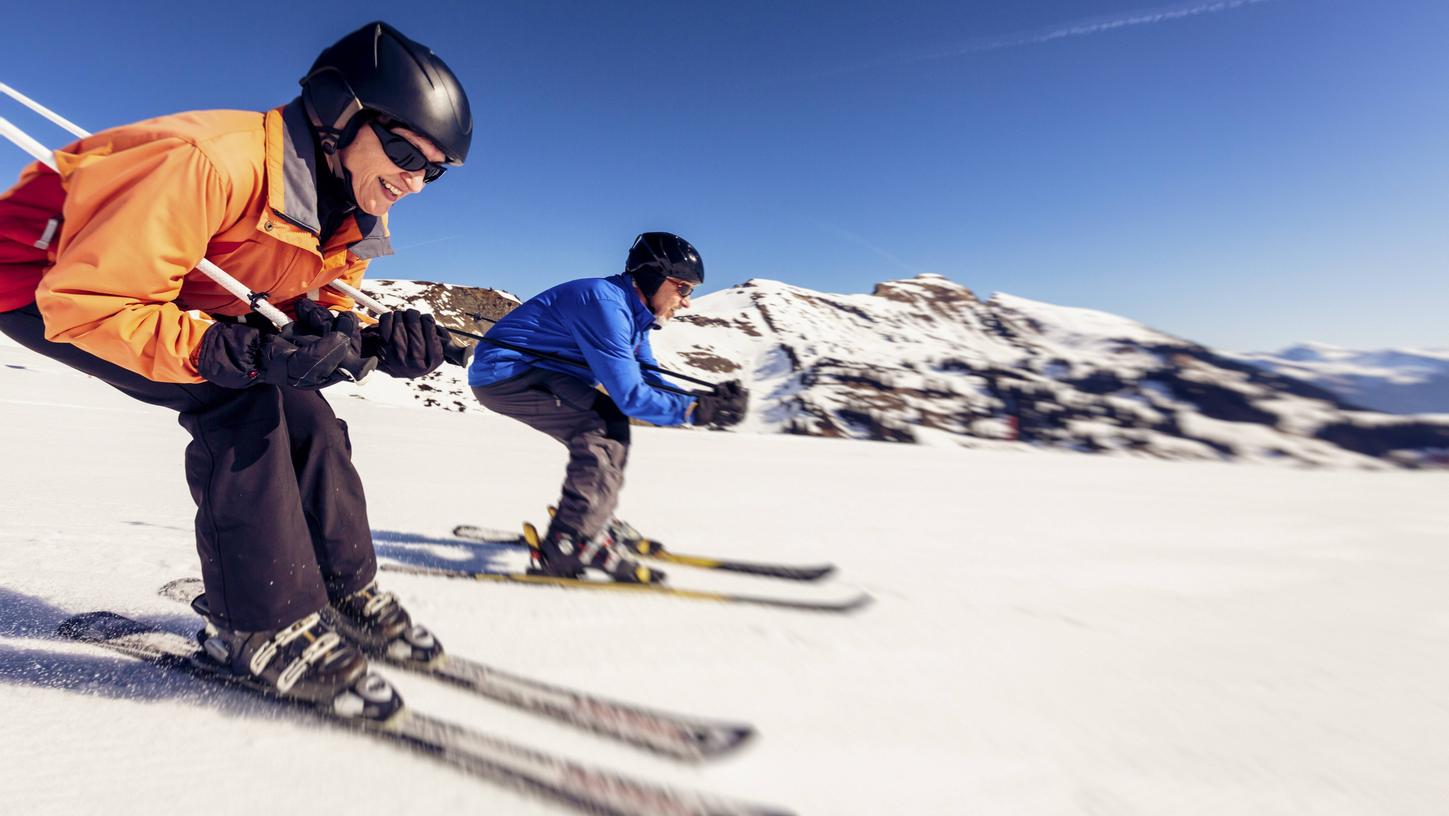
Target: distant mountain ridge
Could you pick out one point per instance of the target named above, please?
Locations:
(924, 360)
(1397, 381)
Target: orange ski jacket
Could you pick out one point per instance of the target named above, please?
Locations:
(107, 247)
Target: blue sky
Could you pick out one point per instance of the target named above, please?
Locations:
(1245, 173)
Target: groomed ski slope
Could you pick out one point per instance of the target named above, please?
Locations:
(1053, 634)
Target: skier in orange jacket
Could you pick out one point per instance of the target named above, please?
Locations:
(97, 270)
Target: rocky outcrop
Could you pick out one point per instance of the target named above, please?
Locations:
(926, 360)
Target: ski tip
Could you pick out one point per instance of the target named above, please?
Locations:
(724, 740)
(789, 573)
(843, 606)
(530, 534)
(855, 603)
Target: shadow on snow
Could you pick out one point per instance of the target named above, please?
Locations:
(24, 619)
(450, 553)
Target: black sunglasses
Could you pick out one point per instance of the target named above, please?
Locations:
(405, 154)
(684, 289)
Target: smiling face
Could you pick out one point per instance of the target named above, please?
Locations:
(668, 298)
(377, 183)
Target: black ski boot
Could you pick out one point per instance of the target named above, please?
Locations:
(306, 661)
(376, 622)
(561, 554)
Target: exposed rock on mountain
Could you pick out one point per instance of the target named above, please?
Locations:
(924, 360)
(454, 307)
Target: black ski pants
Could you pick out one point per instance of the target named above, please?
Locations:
(588, 423)
(281, 521)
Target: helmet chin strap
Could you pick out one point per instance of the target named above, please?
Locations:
(333, 139)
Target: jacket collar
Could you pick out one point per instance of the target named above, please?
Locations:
(292, 181)
(644, 319)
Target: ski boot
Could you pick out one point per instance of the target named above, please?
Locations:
(378, 624)
(305, 661)
(631, 539)
(561, 554)
(624, 534)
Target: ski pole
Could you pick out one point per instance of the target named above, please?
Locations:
(43, 111)
(40, 153)
(644, 366)
(258, 302)
(360, 296)
(558, 358)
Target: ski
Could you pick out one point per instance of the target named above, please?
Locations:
(477, 754)
(839, 605)
(673, 735)
(649, 548)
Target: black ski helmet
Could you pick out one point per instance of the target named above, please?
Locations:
(659, 255)
(376, 68)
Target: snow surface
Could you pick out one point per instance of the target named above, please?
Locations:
(1053, 633)
(1070, 325)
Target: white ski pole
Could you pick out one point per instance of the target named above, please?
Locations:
(43, 110)
(23, 140)
(360, 296)
(211, 270)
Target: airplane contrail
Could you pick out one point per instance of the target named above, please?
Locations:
(859, 240)
(1096, 25)
(1079, 28)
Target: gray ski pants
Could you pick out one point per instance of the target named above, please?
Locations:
(588, 423)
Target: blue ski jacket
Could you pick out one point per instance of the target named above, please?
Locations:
(598, 321)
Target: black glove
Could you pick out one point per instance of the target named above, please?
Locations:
(406, 343)
(454, 350)
(724, 406)
(316, 319)
(235, 355)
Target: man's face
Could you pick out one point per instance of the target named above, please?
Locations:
(377, 183)
(672, 295)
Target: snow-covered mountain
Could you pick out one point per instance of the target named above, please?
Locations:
(924, 360)
(1396, 381)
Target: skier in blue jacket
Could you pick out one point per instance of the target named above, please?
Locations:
(604, 325)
